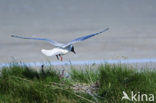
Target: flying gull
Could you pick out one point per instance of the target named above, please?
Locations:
(60, 48)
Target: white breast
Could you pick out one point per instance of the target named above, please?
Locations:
(54, 51)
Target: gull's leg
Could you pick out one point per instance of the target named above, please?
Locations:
(61, 58)
(57, 57)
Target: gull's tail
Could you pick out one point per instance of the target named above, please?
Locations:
(51, 52)
(47, 52)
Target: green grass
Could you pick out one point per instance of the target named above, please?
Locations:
(22, 84)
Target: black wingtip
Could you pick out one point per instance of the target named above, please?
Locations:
(104, 30)
(12, 35)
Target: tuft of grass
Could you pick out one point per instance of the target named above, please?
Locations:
(102, 84)
(87, 75)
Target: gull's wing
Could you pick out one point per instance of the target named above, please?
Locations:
(55, 43)
(84, 37)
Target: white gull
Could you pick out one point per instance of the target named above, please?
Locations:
(60, 48)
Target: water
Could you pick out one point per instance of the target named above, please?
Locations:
(132, 26)
(88, 62)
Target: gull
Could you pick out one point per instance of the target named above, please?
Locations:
(60, 48)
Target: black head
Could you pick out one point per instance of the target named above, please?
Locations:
(72, 50)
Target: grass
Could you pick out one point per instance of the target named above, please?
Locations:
(102, 84)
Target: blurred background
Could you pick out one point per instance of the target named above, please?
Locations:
(132, 26)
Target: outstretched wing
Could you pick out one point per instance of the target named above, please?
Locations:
(84, 37)
(55, 43)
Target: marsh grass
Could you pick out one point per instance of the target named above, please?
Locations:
(23, 84)
(88, 75)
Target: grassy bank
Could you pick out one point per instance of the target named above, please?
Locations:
(102, 84)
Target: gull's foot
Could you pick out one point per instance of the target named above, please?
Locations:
(61, 58)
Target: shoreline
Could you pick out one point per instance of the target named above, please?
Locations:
(84, 62)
